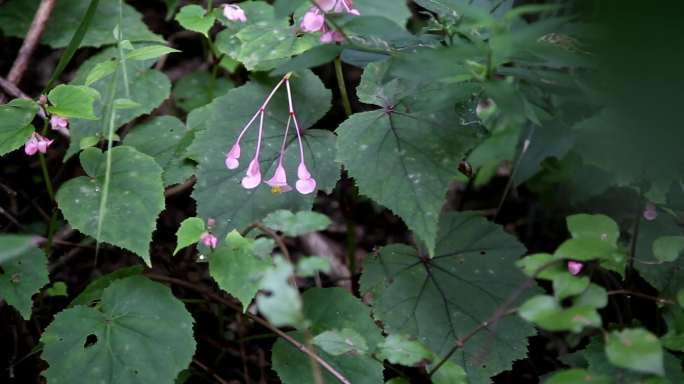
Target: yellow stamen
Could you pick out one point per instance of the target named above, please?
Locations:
(276, 190)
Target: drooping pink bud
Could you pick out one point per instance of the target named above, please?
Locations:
(233, 12)
(650, 212)
(306, 184)
(253, 177)
(326, 5)
(328, 37)
(209, 240)
(36, 143)
(575, 267)
(233, 156)
(210, 222)
(278, 182)
(313, 20)
(60, 124)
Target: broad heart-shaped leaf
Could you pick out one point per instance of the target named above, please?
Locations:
(73, 101)
(545, 311)
(328, 309)
(16, 17)
(140, 333)
(23, 274)
(636, 349)
(14, 246)
(265, 45)
(165, 138)
(668, 248)
(667, 277)
(441, 299)
(189, 232)
(15, 123)
(400, 349)
(405, 155)
(218, 191)
(135, 199)
(148, 87)
(197, 89)
(236, 268)
(296, 224)
(93, 292)
(195, 18)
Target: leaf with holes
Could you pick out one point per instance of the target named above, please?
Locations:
(15, 124)
(439, 300)
(328, 309)
(165, 138)
(404, 160)
(135, 199)
(23, 274)
(16, 17)
(218, 191)
(148, 87)
(140, 333)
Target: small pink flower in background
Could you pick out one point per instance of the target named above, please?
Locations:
(575, 267)
(253, 177)
(60, 124)
(36, 143)
(326, 5)
(233, 156)
(209, 240)
(313, 20)
(233, 12)
(650, 212)
(210, 222)
(331, 37)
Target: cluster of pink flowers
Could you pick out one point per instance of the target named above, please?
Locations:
(39, 144)
(207, 238)
(314, 19)
(233, 12)
(278, 183)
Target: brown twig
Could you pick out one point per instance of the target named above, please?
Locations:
(277, 238)
(219, 299)
(180, 188)
(209, 371)
(32, 37)
(659, 300)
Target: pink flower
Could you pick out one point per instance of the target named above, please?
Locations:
(650, 212)
(209, 240)
(233, 156)
(233, 12)
(313, 20)
(210, 222)
(575, 267)
(60, 124)
(36, 143)
(253, 177)
(331, 37)
(278, 182)
(326, 5)
(346, 6)
(306, 184)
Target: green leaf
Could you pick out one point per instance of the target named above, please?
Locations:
(189, 232)
(136, 197)
(194, 18)
(148, 87)
(150, 52)
(73, 101)
(264, 45)
(125, 104)
(113, 343)
(598, 227)
(218, 191)
(89, 141)
(397, 12)
(440, 299)
(101, 70)
(541, 266)
(16, 17)
(197, 89)
(23, 273)
(297, 224)
(236, 268)
(450, 373)
(329, 309)
(566, 285)
(15, 123)
(59, 288)
(310, 266)
(636, 349)
(341, 342)
(280, 303)
(402, 350)
(666, 276)
(404, 160)
(668, 248)
(594, 296)
(94, 290)
(680, 297)
(545, 311)
(165, 138)
(314, 57)
(577, 376)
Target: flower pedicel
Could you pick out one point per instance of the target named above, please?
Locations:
(305, 182)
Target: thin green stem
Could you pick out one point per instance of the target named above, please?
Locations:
(122, 57)
(46, 177)
(343, 88)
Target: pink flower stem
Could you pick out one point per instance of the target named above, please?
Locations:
(261, 128)
(282, 146)
(294, 118)
(262, 108)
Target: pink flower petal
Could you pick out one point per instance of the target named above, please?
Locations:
(326, 5)
(209, 240)
(306, 186)
(31, 146)
(234, 13)
(575, 267)
(650, 212)
(232, 163)
(313, 21)
(303, 172)
(253, 178)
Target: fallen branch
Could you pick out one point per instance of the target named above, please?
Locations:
(32, 37)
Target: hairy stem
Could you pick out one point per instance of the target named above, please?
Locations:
(341, 85)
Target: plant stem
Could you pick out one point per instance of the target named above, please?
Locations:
(122, 57)
(343, 88)
(46, 177)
